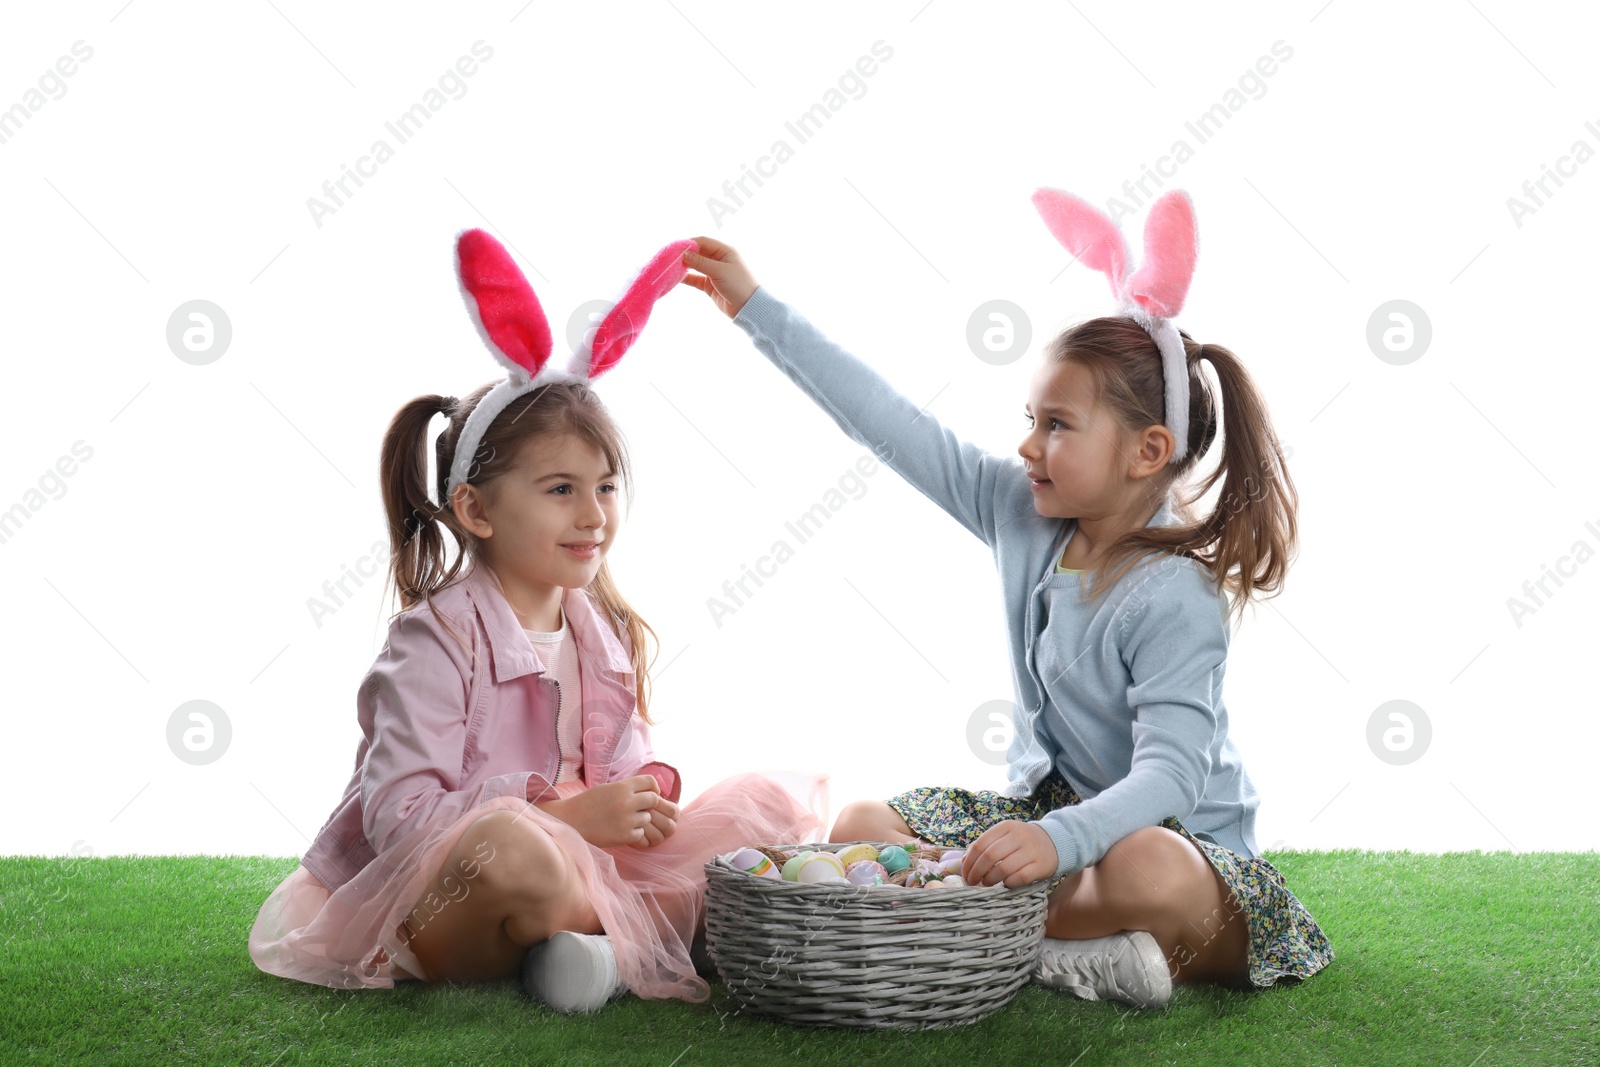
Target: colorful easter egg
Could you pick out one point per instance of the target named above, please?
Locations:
(950, 861)
(821, 867)
(953, 881)
(856, 853)
(791, 869)
(935, 884)
(866, 872)
(894, 858)
(753, 861)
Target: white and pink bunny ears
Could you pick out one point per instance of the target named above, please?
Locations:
(1154, 293)
(512, 323)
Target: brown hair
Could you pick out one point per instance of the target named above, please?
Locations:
(1248, 540)
(417, 525)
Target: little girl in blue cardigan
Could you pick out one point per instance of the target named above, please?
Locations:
(1124, 787)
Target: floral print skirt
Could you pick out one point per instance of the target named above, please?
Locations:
(1284, 942)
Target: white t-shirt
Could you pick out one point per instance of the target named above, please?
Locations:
(559, 653)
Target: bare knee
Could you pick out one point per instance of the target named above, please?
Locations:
(1147, 872)
(869, 820)
(512, 856)
(1156, 880)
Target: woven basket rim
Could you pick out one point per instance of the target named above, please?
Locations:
(773, 885)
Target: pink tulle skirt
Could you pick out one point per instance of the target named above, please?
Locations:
(650, 901)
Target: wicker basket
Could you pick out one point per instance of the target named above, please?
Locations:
(872, 957)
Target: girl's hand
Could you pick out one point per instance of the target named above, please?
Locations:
(663, 823)
(724, 277)
(617, 813)
(1014, 852)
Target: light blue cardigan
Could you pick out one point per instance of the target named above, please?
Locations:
(1123, 698)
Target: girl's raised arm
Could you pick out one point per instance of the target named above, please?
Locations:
(976, 487)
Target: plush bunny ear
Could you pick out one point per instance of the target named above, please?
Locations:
(502, 304)
(1170, 239)
(1087, 232)
(622, 324)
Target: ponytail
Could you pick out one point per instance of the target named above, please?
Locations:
(1249, 538)
(416, 524)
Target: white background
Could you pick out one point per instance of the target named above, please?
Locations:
(1375, 163)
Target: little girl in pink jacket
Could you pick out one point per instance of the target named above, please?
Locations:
(506, 812)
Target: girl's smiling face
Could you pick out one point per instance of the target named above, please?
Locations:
(1073, 452)
(551, 522)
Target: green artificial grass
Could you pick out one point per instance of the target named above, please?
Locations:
(1470, 959)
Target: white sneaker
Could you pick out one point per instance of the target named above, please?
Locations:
(573, 972)
(1128, 967)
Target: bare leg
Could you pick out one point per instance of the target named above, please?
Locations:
(871, 820)
(1155, 880)
(506, 886)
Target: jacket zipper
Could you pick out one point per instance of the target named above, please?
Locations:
(558, 729)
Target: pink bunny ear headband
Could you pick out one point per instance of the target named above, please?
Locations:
(512, 323)
(1154, 293)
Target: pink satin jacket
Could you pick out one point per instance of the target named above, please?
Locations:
(450, 720)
